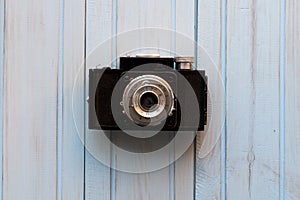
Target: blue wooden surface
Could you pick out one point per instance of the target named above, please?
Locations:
(31, 59)
(72, 150)
(2, 21)
(256, 46)
(253, 111)
(291, 123)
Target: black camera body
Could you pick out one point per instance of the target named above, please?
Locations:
(147, 93)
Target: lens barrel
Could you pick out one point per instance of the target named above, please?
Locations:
(148, 100)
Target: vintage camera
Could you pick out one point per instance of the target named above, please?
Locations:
(148, 92)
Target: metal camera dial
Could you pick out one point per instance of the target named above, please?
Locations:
(148, 100)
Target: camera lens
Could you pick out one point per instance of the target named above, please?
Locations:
(148, 101)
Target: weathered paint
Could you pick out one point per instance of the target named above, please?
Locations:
(72, 149)
(253, 106)
(32, 44)
(292, 101)
(209, 152)
(255, 47)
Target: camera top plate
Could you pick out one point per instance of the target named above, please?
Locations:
(128, 63)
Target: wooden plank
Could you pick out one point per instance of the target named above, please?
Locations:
(184, 175)
(30, 126)
(137, 15)
(72, 145)
(292, 101)
(185, 46)
(208, 153)
(99, 33)
(2, 32)
(253, 99)
(134, 17)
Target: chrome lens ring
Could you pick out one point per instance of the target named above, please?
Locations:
(148, 84)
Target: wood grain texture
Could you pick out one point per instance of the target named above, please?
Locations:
(30, 59)
(134, 16)
(208, 154)
(253, 99)
(72, 145)
(185, 175)
(99, 33)
(292, 101)
(2, 40)
(30, 126)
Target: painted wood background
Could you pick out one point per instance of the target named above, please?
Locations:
(255, 46)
